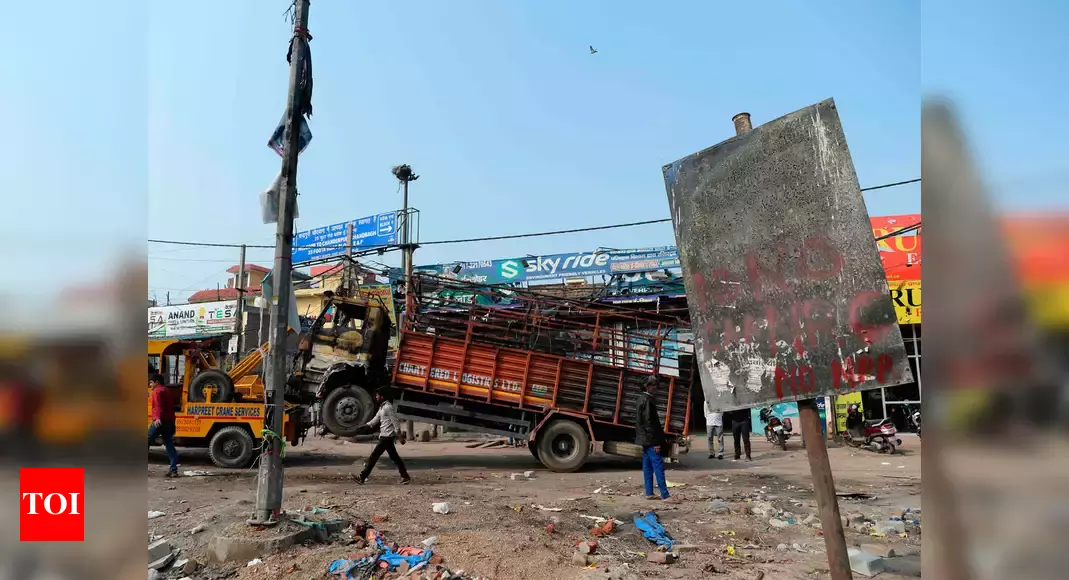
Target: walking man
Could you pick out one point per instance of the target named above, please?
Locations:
(389, 430)
(163, 422)
(714, 424)
(649, 434)
(740, 429)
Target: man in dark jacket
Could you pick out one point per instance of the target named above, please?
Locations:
(740, 429)
(649, 434)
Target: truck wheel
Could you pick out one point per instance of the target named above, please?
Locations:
(211, 379)
(533, 449)
(346, 409)
(563, 446)
(232, 448)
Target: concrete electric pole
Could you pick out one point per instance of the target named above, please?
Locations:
(269, 480)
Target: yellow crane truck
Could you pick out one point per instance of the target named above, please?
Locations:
(222, 411)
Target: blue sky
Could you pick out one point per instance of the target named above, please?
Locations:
(512, 124)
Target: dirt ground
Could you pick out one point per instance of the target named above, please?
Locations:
(496, 527)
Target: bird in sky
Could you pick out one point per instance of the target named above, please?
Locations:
(593, 50)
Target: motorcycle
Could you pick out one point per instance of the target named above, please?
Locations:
(880, 436)
(776, 431)
(913, 419)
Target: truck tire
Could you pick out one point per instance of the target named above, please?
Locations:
(346, 409)
(533, 449)
(563, 446)
(232, 448)
(211, 379)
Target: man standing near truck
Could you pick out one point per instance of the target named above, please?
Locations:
(649, 434)
(714, 425)
(389, 430)
(163, 420)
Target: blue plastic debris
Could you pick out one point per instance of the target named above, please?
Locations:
(364, 567)
(652, 530)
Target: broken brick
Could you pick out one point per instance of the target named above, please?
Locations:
(661, 557)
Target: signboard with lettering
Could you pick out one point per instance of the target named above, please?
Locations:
(787, 294)
(333, 240)
(558, 266)
(205, 318)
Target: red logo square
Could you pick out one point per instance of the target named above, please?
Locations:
(52, 502)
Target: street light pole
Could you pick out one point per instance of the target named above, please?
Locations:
(405, 175)
(269, 480)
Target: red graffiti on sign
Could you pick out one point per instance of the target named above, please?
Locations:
(799, 326)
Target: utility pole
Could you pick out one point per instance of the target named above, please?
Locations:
(405, 175)
(269, 480)
(239, 324)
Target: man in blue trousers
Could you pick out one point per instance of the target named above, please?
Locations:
(649, 434)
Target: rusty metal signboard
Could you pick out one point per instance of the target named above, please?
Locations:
(788, 297)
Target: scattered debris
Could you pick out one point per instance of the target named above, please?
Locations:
(517, 477)
(197, 473)
(154, 514)
(440, 508)
(197, 529)
(543, 508)
(160, 554)
(717, 506)
(661, 558)
(529, 474)
(254, 563)
(652, 530)
(674, 484)
(604, 529)
(780, 524)
(380, 518)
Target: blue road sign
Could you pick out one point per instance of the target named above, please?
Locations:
(331, 241)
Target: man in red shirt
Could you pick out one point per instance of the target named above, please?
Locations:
(163, 422)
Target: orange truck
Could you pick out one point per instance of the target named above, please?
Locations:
(563, 375)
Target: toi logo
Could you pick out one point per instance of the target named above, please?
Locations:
(52, 504)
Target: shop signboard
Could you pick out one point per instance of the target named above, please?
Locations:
(558, 266)
(333, 240)
(842, 403)
(906, 296)
(205, 318)
(787, 294)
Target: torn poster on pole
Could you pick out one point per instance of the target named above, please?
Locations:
(277, 144)
(269, 201)
(787, 294)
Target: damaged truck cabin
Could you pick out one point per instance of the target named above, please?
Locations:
(340, 362)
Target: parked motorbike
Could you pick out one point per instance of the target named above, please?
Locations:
(777, 431)
(880, 436)
(913, 419)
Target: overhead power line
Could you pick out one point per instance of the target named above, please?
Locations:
(513, 236)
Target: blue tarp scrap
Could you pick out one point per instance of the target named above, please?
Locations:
(652, 530)
(361, 569)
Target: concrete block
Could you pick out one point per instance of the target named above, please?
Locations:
(159, 549)
(865, 564)
(881, 550)
(224, 549)
(580, 559)
(661, 557)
